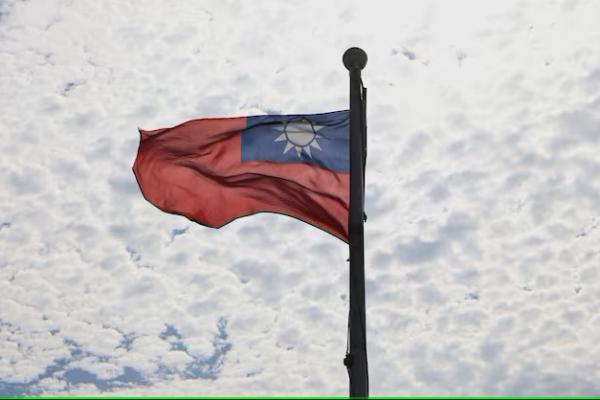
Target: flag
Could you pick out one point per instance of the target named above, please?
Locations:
(215, 170)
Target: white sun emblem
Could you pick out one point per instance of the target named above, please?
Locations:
(299, 134)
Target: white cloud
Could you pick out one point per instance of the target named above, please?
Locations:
(482, 198)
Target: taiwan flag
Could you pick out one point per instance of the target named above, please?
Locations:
(215, 170)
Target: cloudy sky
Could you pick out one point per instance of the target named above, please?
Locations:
(483, 197)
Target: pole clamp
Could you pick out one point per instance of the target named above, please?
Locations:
(348, 360)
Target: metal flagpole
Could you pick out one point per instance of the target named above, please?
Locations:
(355, 60)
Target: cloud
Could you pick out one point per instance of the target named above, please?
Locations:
(482, 200)
(107, 373)
(419, 251)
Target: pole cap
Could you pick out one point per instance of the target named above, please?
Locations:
(355, 58)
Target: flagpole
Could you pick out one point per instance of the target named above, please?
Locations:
(355, 60)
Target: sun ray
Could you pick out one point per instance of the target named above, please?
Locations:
(281, 138)
(298, 151)
(307, 150)
(315, 144)
(288, 146)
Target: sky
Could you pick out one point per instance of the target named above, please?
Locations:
(482, 196)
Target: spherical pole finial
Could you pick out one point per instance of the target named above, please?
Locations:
(355, 58)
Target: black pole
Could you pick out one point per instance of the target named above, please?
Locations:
(355, 60)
